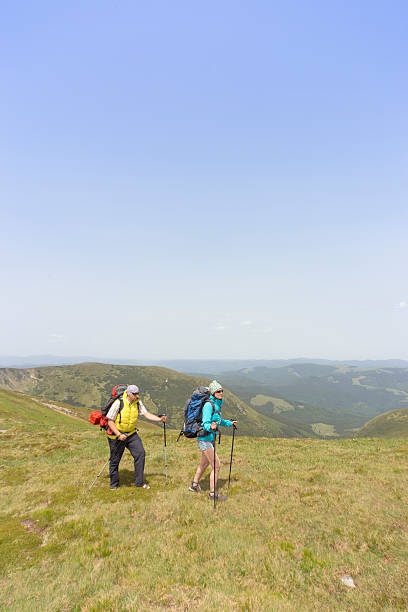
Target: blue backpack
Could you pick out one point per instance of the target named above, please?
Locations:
(193, 413)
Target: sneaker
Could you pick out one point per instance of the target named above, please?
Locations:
(195, 487)
(143, 486)
(218, 496)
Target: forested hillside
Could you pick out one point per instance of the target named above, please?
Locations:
(334, 400)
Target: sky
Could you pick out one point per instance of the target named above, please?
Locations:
(204, 180)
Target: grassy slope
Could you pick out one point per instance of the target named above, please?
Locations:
(89, 385)
(388, 425)
(301, 514)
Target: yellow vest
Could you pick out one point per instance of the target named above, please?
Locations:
(127, 417)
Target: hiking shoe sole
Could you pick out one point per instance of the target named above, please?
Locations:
(196, 489)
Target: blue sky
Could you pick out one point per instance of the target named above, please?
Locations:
(204, 179)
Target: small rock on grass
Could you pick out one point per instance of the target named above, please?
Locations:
(348, 581)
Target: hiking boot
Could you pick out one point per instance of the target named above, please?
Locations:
(218, 496)
(114, 488)
(195, 487)
(143, 486)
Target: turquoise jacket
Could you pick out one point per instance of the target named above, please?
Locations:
(209, 417)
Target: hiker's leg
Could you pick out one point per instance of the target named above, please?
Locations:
(137, 451)
(116, 451)
(209, 453)
(204, 463)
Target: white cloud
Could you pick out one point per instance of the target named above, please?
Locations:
(402, 305)
(220, 327)
(246, 323)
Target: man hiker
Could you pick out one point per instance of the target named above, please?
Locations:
(122, 424)
(211, 418)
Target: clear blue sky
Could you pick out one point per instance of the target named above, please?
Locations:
(218, 179)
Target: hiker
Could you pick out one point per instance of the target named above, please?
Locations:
(211, 418)
(122, 424)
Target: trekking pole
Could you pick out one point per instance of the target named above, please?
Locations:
(98, 475)
(165, 447)
(232, 450)
(215, 485)
(106, 463)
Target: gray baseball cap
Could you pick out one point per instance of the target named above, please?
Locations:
(132, 389)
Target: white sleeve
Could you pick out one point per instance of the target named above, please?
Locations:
(113, 410)
(142, 409)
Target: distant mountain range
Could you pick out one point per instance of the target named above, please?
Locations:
(219, 366)
(191, 366)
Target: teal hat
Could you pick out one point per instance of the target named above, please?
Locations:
(214, 386)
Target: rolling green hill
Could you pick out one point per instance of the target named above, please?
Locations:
(301, 516)
(392, 424)
(162, 390)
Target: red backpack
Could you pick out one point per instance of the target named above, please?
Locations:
(98, 417)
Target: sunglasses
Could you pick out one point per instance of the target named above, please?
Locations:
(220, 391)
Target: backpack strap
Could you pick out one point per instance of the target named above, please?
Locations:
(213, 407)
(120, 408)
(186, 407)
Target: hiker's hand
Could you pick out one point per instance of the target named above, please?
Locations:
(122, 437)
(163, 418)
(213, 425)
(234, 423)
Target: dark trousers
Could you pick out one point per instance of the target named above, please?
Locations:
(134, 444)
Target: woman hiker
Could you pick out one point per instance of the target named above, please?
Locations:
(122, 425)
(211, 418)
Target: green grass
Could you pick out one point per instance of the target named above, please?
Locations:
(300, 514)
